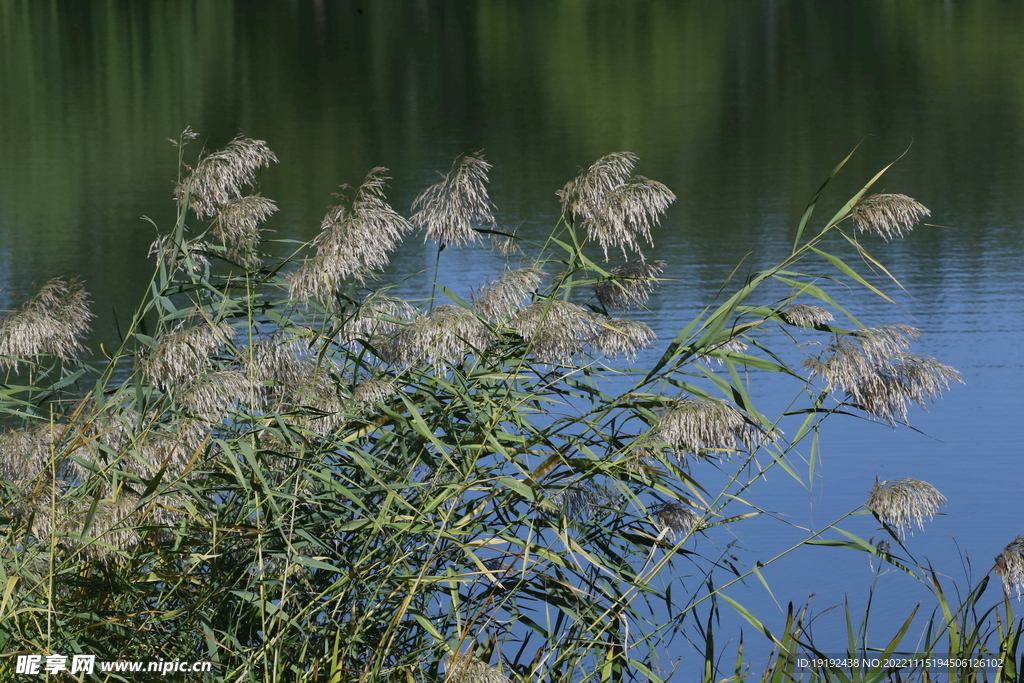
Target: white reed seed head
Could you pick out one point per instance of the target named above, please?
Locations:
(183, 354)
(466, 668)
(696, 425)
(372, 391)
(555, 329)
(500, 299)
(901, 503)
(448, 209)
(805, 315)
(355, 241)
(50, 323)
(378, 316)
(871, 366)
(445, 335)
(729, 346)
(888, 215)
(629, 285)
(220, 176)
(1010, 566)
(677, 519)
(621, 335)
(615, 209)
(237, 225)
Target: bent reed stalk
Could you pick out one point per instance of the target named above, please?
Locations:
(299, 476)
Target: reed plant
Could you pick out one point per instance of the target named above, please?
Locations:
(287, 469)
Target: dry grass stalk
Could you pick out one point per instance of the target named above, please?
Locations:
(355, 241)
(448, 209)
(1010, 566)
(901, 503)
(888, 215)
(629, 285)
(697, 425)
(615, 209)
(50, 323)
(220, 176)
(872, 367)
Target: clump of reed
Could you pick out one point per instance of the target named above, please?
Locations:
(289, 469)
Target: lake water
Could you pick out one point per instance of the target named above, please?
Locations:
(740, 107)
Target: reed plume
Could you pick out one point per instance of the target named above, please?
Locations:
(220, 176)
(356, 239)
(888, 215)
(872, 367)
(805, 315)
(52, 323)
(677, 519)
(614, 336)
(696, 425)
(556, 330)
(901, 503)
(615, 209)
(466, 668)
(1010, 566)
(447, 210)
(445, 335)
(629, 285)
(183, 354)
(500, 299)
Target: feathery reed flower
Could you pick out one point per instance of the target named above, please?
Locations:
(629, 285)
(695, 425)
(355, 241)
(805, 315)
(729, 345)
(211, 394)
(1010, 566)
(220, 176)
(444, 335)
(237, 226)
(614, 208)
(901, 503)
(377, 316)
(192, 252)
(372, 391)
(621, 335)
(448, 209)
(505, 245)
(466, 668)
(888, 215)
(499, 299)
(180, 355)
(677, 519)
(872, 367)
(25, 453)
(50, 323)
(554, 329)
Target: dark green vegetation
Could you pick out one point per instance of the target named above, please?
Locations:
(299, 476)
